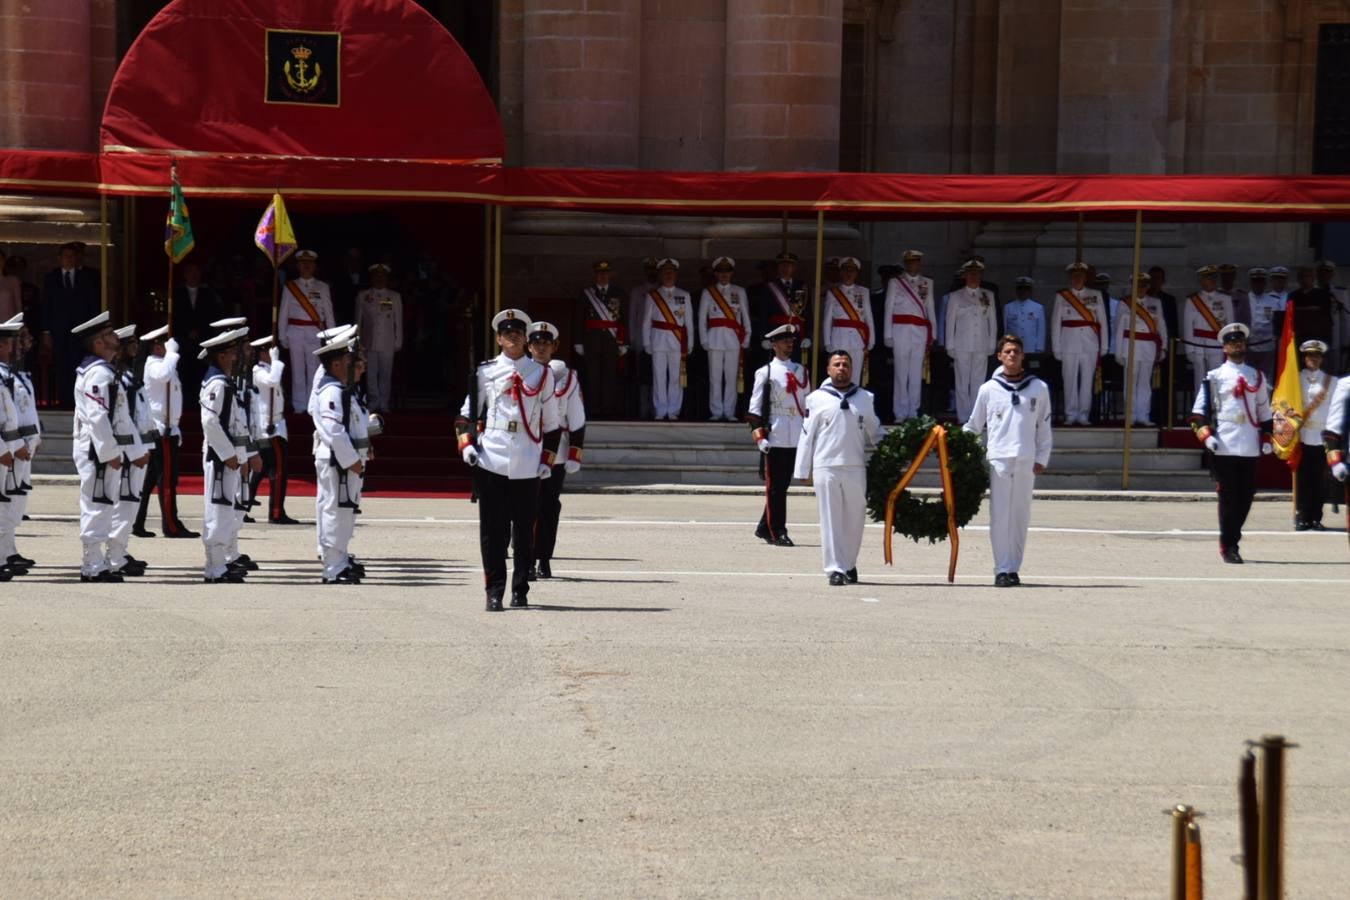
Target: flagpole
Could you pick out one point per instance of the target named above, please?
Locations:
(170, 297)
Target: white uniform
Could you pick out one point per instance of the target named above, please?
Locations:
(1015, 419)
(909, 329)
(662, 337)
(849, 327)
(1338, 410)
(1079, 339)
(269, 403)
(1203, 348)
(1241, 399)
(164, 390)
(299, 332)
(93, 448)
(246, 427)
(724, 337)
(220, 490)
(571, 408)
(1317, 388)
(11, 490)
(969, 333)
(1026, 319)
(1150, 347)
(379, 315)
(841, 427)
(334, 453)
(518, 406)
(787, 404)
(23, 432)
(136, 435)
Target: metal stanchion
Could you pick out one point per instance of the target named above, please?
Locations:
(1172, 383)
(1270, 877)
(1248, 823)
(1195, 870)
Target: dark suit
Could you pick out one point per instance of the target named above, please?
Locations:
(600, 362)
(191, 326)
(767, 313)
(65, 304)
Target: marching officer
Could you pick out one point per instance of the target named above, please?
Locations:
(848, 317)
(1203, 316)
(786, 300)
(543, 342)
(269, 418)
(666, 335)
(970, 330)
(224, 450)
(777, 410)
(600, 331)
(1025, 317)
(724, 331)
(841, 427)
(98, 458)
(1317, 387)
(132, 430)
(164, 392)
(910, 326)
(508, 431)
(306, 309)
(337, 462)
(1079, 339)
(1232, 418)
(1150, 346)
(379, 316)
(21, 440)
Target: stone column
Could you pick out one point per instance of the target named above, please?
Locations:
(581, 83)
(782, 90)
(45, 89)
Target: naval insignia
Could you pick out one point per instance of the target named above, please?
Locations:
(303, 67)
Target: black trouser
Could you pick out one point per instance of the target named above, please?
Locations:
(162, 475)
(550, 509)
(1312, 468)
(778, 466)
(274, 469)
(1236, 477)
(506, 507)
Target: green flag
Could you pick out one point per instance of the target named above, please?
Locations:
(178, 241)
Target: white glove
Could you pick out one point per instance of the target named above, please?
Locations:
(545, 471)
(1267, 448)
(1212, 444)
(571, 467)
(763, 444)
(581, 351)
(171, 345)
(623, 349)
(1339, 471)
(470, 455)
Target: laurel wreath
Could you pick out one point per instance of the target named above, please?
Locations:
(925, 518)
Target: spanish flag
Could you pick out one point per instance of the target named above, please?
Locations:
(178, 240)
(1286, 402)
(274, 235)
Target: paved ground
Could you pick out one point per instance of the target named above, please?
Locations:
(686, 712)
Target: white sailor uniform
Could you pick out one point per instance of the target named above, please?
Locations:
(164, 393)
(93, 448)
(23, 434)
(135, 435)
(222, 440)
(334, 416)
(668, 337)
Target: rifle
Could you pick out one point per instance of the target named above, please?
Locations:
(476, 415)
(1207, 410)
(349, 384)
(766, 411)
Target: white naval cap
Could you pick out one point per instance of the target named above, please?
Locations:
(155, 335)
(510, 320)
(1279, 271)
(543, 331)
(97, 323)
(231, 322)
(1312, 346)
(723, 264)
(850, 261)
(125, 333)
(329, 333)
(912, 254)
(11, 326)
(668, 262)
(1234, 331)
(342, 343)
(971, 264)
(1257, 272)
(1079, 266)
(262, 342)
(782, 331)
(306, 254)
(224, 339)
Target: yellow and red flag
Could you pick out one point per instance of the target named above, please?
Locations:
(1286, 401)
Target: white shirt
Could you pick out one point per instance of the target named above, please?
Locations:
(1317, 387)
(663, 340)
(971, 324)
(723, 337)
(1026, 319)
(25, 401)
(217, 433)
(10, 439)
(269, 402)
(833, 435)
(1083, 340)
(93, 420)
(787, 403)
(164, 389)
(910, 296)
(571, 406)
(1013, 430)
(510, 443)
(1237, 414)
(334, 441)
(1339, 412)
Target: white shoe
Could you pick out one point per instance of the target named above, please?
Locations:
(715, 418)
(1146, 423)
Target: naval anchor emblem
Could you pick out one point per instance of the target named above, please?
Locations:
(303, 67)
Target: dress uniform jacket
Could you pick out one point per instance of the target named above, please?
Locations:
(1026, 319)
(848, 323)
(600, 328)
(269, 403)
(1240, 398)
(1150, 347)
(517, 408)
(299, 332)
(1072, 333)
(164, 390)
(667, 341)
(909, 327)
(780, 389)
(970, 330)
(379, 316)
(571, 410)
(716, 330)
(93, 447)
(776, 301)
(1203, 314)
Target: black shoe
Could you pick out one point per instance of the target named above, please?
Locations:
(1232, 556)
(494, 602)
(243, 561)
(23, 561)
(104, 577)
(230, 577)
(132, 569)
(1002, 580)
(6, 575)
(249, 520)
(1301, 526)
(181, 533)
(531, 574)
(284, 519)
(357, 567)
(519, 600)
(763, 535)
(545, 570)
(1316, 526)
(1013, 580)
(346, 576)
(851, 576)
(783, 541)
(142, 533)
(13, 570)
(837, 579)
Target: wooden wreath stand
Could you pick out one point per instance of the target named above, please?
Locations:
(937, 436)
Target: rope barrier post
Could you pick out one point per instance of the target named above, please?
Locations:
(1181, 817)
(1270, 877)
(1129, 360)
(1172, 382)
(820, 306)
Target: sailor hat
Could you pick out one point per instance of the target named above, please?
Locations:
(782, 331)
(667, 262)
(11, 327)
(850, 261)
(543, 331)
(380, 267)
(1313, 346)
(225, 339)
(510, 320)
(1234, 331)
(155, 335)
(1079, 266)
(306, 254)
(912, 254)
(1207, 271)
(1102, 278)
(96, 324)
(231, 322)
(724, 264)
(1257, 272)
(329, 333)
(125, 333)
(343, 343)
(262, 342)
(1279, 271)
(971, 264)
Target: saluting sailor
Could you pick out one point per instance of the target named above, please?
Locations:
(1232, 418)
(543, 343)
(1079, 339)
(909, 329)
(508, 430)
(131, 428)
(1150, 345)
(97, 455)
(164, 391)
(724, 331)
(223, 455)
(848, 317)
(306, 309)
(246, 437)
(776, 413)
(269, 417)
(1203, 316)
(20, 439)
(338, 465)
(667, 335)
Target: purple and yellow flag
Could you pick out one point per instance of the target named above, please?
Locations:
(274, 235)
(178, 240)
(1286, 401)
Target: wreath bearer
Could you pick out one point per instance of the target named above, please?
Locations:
(1012, 410)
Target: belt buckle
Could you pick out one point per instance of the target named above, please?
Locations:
(511, 426)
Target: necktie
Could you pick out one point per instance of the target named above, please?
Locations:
(70, 279)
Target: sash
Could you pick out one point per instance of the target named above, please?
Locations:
(1085, 317)
(1327, 384)
(729, 318)
(1210, 319)
(854, 320)
(605, 320)
(303, 299)
(777, 290)
(921, 318)
(670, 323)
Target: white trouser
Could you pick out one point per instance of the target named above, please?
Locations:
(1142, 376)
(1010, 484)
(218, 519)
(303, 365)
(1202, 361)
(379, 377)
(334, 523)
(841, 495)
(1079, 371)
(124, 514)
(667, 394)
(970, 374)
(908, 382)
(722, 366)
(14, 509)
(96, 519)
